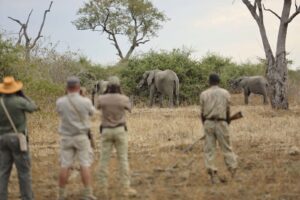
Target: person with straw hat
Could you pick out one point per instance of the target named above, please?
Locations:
(14, 105)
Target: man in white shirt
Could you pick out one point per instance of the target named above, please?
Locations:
(75, 111)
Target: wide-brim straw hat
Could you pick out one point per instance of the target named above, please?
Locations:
(10, 85)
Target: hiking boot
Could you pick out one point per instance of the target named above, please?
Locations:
(88, 194)
(61, 194)
(214, 178)
(103, 194)
(88, 197)
(129, 192)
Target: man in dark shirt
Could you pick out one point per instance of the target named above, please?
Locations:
(17, 104)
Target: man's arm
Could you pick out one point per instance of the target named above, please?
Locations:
(27, 105)
(91, 108)
(201, 108)
(228, 109)
(127, 105)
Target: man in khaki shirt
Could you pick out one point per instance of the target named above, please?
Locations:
(215, 113)
(113, 105)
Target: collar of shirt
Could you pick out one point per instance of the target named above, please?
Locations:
(214, 87)
(73, 94)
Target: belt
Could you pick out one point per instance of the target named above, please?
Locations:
(216, 119)
(118, 125)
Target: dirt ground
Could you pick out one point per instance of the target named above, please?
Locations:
(161, 170)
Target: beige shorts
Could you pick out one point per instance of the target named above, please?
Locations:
(72, 147)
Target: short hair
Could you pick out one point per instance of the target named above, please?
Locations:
(114, 80)
(73, 81)
(214, 79)
(113, 89)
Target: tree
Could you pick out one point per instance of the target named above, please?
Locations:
(277, 72)
(29, 43)
(138, 20)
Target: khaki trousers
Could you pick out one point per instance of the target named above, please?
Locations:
(114, 137)
(217, 132)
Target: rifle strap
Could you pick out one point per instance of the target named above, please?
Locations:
(75, 109)
(8, 116)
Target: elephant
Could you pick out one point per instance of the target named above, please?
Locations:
(251, 84)
(98, 88)
(161, 83)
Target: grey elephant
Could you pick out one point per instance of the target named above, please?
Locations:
(251, 84)
(161, 83)
(98, 88)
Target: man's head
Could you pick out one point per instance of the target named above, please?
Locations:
(214, 79)
(73, 84)
(113, 85)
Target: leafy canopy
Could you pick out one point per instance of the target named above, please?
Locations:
(138, 20)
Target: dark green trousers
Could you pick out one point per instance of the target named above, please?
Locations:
(10, 154)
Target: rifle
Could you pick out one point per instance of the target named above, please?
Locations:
(236, 116)
(91, 138)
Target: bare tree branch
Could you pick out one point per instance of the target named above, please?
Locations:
(16, 20)
(23, 31)
(42, 25)
(143, 42)
(295, 13)
(273, 12)
(251, 8)
(28, 18)
(21, 34)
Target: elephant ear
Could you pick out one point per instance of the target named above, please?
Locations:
(150, 78)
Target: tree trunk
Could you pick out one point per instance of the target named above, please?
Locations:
(277, 73)
(277, 77)
(27, 54)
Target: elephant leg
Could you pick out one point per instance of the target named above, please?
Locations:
(265, 96)
(171, 101)
(247, 94)
(177, 100)
(152, 95)
(161, 99)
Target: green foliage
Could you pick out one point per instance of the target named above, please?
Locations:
(9, 56)
(44, 77)
(192, 74)
(138, 20)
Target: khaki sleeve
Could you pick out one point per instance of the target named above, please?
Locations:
(127, 104)
(201, 101)
(91, 107)
(228, 114)
(228, 97)
(58, 108)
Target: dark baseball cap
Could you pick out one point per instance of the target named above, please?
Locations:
(73, 81)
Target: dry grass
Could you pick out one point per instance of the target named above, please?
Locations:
(157, 137)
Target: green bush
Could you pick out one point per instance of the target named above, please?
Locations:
(9, 56)
(45, 75)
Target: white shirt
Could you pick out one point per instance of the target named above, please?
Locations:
(70, 123)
